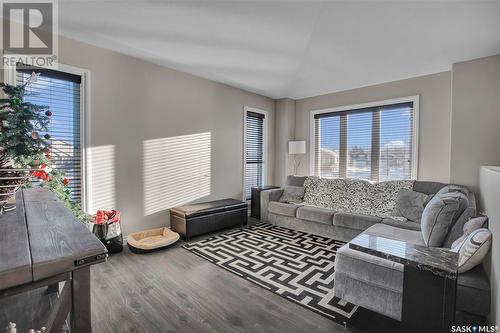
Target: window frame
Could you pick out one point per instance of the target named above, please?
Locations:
(85, 163)
(409, 99)
(265, 148)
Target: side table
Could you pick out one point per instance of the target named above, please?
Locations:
(255, 204)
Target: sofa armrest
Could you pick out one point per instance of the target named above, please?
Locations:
(265, 198)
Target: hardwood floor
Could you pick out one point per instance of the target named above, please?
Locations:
(177, 291)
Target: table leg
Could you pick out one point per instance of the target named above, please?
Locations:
(80, 313)
(428, 301)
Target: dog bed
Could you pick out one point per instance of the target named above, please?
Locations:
(151, 240)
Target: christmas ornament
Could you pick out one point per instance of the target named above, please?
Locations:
(34, 77)
(48, 113)
(34, 135)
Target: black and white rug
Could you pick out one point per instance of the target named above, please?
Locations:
(293, 264)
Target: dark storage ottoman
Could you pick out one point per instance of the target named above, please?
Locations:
(201, 218)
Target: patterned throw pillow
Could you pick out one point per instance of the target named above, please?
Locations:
(469, 226)
(472, 250)
(292, 194)
(411, 204)
(357, 196)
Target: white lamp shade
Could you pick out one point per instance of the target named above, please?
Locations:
(296, 147)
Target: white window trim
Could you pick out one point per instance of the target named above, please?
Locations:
(86, 190)
(264, 171)
(414, 99)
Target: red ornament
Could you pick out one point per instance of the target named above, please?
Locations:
(65, 181)
(40, 174)
(48, 113)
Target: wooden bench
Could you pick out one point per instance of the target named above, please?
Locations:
(42, 245)
(201, 218)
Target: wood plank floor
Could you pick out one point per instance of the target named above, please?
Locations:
(177, 291)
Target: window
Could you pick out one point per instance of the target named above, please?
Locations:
(59, 91)
(254, 150)
(374, 142)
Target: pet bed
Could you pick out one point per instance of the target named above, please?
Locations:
(151, 240)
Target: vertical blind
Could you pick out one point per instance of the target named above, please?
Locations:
(61, 93)
(373, 143)
(254, 146)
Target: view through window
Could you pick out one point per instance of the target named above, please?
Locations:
(374, 143)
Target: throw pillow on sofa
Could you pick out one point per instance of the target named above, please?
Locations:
(439, 215)
(411, 204)
(472, 250)
(292, 194)
(453, 188)
(470, 226)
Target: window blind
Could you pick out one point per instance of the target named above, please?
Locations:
(373, 143)
(254, 146)
(61, 93)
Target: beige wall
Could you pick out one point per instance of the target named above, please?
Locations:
(285, 131)
(434, 133)
(134, 103)
(475, 125)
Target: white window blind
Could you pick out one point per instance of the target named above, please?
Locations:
(59, 91)
(254, 145)
(374, 143)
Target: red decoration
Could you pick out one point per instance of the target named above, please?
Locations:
(65, 181)
(107, 216)
(40, 174)
(48, 113)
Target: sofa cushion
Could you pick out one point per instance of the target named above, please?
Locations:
(439, 216)
(295, 180)
(389, 231)
(457, 229)
(282, 208)
(410, 204)
(292, 194)
(370, 269)
(316, 214)
(470, 226)
(473, 291)
(473, 249)
(355, 221)
(410, 225)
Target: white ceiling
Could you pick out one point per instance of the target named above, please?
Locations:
(291, 49)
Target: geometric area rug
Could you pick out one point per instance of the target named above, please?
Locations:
(295, 265)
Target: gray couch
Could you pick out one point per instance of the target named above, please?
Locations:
(368, 281)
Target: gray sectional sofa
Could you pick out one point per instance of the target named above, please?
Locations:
(363, 279)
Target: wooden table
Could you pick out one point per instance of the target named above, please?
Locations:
(43, 245)
(429, 281)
